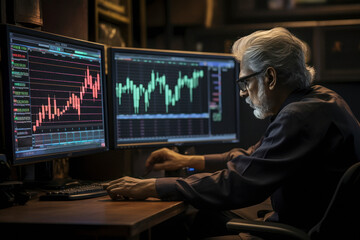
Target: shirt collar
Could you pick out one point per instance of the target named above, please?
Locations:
(294, 96)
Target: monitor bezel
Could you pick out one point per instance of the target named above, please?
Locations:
(8, 141)
(162, 52)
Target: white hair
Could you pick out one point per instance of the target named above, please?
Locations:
(276, 48)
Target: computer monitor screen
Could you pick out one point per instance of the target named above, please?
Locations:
(172, 98)
(54, 98)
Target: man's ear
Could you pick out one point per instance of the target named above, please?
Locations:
(271, 78)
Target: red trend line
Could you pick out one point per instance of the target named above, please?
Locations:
(51, 110)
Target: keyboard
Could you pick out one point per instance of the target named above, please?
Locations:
(77, 192)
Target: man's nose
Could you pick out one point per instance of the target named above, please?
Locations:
(243, 93)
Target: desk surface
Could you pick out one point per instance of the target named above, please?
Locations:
(114, 218)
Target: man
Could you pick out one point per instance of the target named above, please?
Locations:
(312, 139)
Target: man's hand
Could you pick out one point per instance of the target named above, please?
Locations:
(133, 188)
(166, 159)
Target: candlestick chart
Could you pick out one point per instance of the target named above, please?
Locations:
(57, 96)
(171, 97)
(64, 92)
(157, 97)
(162, 97)
(160, 89)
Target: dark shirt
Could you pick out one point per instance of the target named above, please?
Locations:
(306, 148)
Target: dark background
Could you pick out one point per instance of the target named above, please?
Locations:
(202, 25)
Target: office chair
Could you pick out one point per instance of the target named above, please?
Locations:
(340, 221)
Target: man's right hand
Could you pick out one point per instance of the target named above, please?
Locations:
(166, 159)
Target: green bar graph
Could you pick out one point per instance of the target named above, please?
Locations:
(171, 96)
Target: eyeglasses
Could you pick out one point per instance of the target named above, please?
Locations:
(243, 83)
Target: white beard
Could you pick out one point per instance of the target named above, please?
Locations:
(263, 110)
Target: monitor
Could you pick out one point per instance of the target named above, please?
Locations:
(54, 102)
(162, 98)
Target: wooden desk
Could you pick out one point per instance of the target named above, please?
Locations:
(92, 218)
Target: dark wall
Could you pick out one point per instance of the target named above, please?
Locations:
(350, 91)
(66, 17)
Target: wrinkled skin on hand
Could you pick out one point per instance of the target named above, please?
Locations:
(131, 188)
(165, 159)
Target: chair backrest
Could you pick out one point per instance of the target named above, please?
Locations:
(342, 217)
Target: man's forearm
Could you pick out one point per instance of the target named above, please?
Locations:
(197, 162)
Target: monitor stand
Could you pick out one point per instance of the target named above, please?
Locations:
(60, 175)
(49, 175)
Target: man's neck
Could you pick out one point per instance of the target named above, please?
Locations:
(280, 97)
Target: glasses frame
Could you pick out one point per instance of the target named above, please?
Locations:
(242, 80)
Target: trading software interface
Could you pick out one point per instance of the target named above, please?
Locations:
(57, 96)
(168, 98)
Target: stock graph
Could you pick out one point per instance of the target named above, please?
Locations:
(163, 97)
(63, 91)
(52, 111)
(159, 88)
(156, 97)
(57, 95)
(160, 82)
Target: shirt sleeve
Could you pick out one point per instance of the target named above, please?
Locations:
(215, 162)
(248, 179)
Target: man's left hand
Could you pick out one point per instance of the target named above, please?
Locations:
(133, 188)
